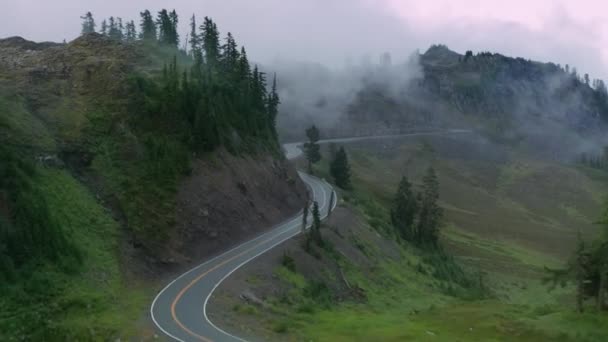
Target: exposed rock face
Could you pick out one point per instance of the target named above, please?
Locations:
(229, 199)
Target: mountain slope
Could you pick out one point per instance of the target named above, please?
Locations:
(120, 164)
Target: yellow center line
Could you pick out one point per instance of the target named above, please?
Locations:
(197, 279)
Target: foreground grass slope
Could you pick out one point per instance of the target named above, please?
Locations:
(93, 301)
(496, 226)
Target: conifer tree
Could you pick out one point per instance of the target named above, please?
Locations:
(404, 211)
(195, 40)
(131, 33)
(305, 216)
(315, 229)
(229, 55)
(312, 150)
(113, 30)
(120, 35)
(273, 108)
(88, 23)
(104, 28)
(340, 170)
(147, 26)
(430, 213)
(211, 42)
(165, 28)
(174, 37)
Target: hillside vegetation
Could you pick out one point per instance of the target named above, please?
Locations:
(505, 220)
(97, 139)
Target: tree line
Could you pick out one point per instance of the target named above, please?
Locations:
(216, 98)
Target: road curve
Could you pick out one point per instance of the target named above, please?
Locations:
(180, 309)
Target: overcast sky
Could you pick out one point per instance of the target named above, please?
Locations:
(335, 31)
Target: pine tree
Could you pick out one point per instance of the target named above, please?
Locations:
(244, 69)
(273, 108)
(121, 29)
(305, 216)
(312, 150)
(104, 28)
(340, 170)
(174, 35)
(332, 199)
(147, 26)
(404, 211)
(131, 31)
(114, 28)
(229, 55)
(315, 229)
(211, 42)
(430, 213)
(195, 40)
(88, 23)
(165, 27)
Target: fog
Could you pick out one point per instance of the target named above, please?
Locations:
(334, 31)
(325, 51)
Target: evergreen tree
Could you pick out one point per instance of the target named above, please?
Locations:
(430, 213)
(165, 28)
(211, 42)
(174, 34)
(131, 31)
(312, 150)
(315, 229)
(332, 200)
(147, 26)
(121, 30)
(88, 23)
(114, 31)
(273, 108)
(229, 55)
(305, 216)
(340, 170)
(244, 69)
(104, 28)
(404, 211)
(195, 39)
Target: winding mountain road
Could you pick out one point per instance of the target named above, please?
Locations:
(180, 309)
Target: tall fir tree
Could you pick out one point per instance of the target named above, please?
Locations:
(430, 214)
(340, 169)
(88, 23)
(115, 28)
(131, 31)
(211, 42)
(315, 229)
(229, 55)
(273, 107)
(312, 150)
(147, 27)
(121, 29)
(104, 28)
(195, 39)
(404, 211)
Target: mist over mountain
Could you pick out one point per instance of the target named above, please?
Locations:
(545, 105)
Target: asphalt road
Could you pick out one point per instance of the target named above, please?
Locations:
(180, 309)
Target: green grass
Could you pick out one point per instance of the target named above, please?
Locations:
(94, 303)
(508, 219)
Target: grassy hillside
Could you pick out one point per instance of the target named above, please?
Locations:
(507, 216)
(104, 142)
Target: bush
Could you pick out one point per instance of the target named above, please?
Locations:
(288, 262)
(319, 292)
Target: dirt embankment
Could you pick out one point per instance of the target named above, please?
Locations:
(257, 283)
(228, 200)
